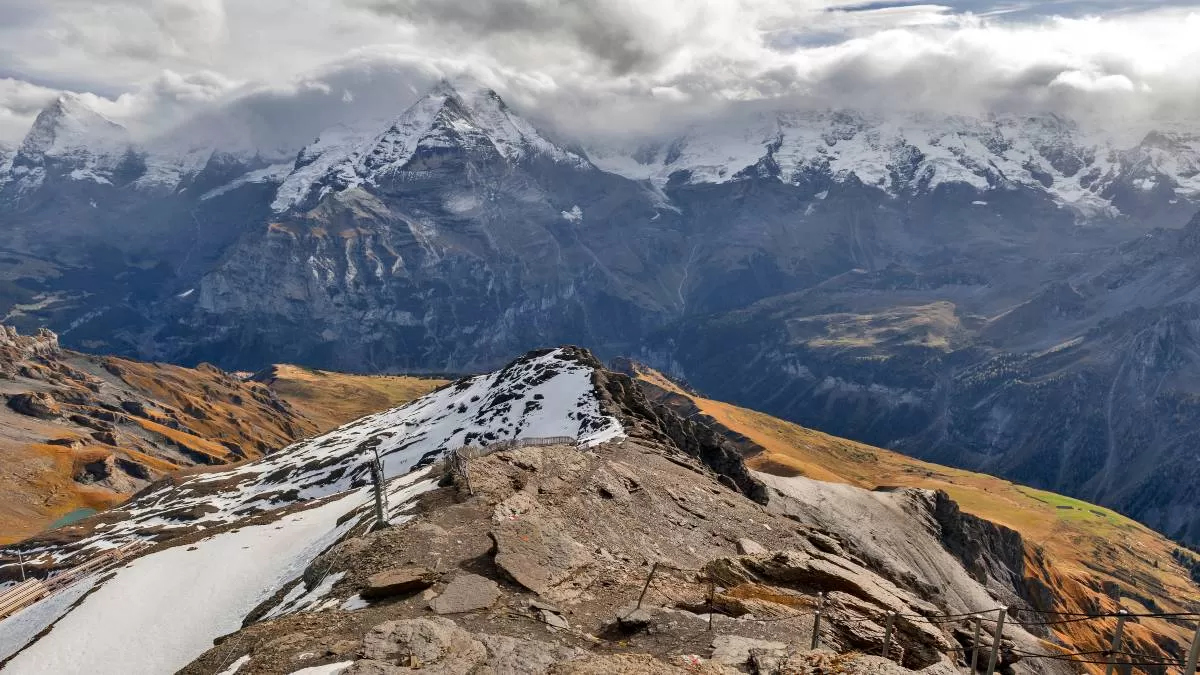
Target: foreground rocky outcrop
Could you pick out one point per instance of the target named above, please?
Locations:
(534, 562)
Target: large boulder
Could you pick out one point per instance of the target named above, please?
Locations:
(435, 646)
(38, 404)
(439, 647)
(397, 581)
(536, 553)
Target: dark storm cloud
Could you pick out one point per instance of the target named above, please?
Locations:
(612, 32)
(279, 70)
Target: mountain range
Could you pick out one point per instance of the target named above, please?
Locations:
(1006, 293)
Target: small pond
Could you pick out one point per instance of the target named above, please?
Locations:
(72, 517)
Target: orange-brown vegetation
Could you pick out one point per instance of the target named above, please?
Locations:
(1083, 553)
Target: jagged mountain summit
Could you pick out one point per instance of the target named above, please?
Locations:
(1097, 175)
(465, 117)
(558, 528)
(69, 137)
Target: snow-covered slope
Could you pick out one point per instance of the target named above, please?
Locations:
(68, 133)
(917, 153)
(68, 126)
(464, 116)
(71, 139)
(288, 508)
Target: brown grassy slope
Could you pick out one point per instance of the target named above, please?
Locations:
(329, 399)
(189, 417)
(1081, 552)
(90, 452)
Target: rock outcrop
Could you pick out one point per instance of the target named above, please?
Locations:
(115, 426)
(992, 554)
(549, 557)
(397, 581)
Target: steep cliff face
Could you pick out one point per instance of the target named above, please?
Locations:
(1027, 548)
(663, 423)
(992, 554)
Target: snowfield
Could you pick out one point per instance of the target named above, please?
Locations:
(1073, 166)
(178, 599)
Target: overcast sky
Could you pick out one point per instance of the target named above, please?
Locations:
(289, 67)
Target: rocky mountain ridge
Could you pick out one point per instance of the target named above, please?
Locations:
(1077, 557)
(550, 535)
(1091, 172)
(82, 433)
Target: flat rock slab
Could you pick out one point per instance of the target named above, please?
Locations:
(437, 646)
(750, 547)
(398, 581)
(536, 553)
(466, 593)
(734, 650)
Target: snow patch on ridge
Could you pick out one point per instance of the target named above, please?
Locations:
(180, 598)
(550, 394)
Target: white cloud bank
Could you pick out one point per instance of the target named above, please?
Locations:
(284, 69)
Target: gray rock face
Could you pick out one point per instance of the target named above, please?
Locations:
(439, 647)
(535, 553)
(433, 645)
(734, 650)
(466, 593)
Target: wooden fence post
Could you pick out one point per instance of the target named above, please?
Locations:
(381, 507)
(1116, 642)
(887, 635)
(653, 569)
(975, 643)
(996, 640)
(816, 636)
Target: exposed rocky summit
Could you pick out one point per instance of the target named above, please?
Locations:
(574, 534)
(604, 548)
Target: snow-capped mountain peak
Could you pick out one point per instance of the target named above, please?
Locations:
(68, 138)
(67, 125)
(464, 116)
(245, 532)
(911, 154)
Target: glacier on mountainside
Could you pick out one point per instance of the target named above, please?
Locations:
(463, 114)
(918, 152)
